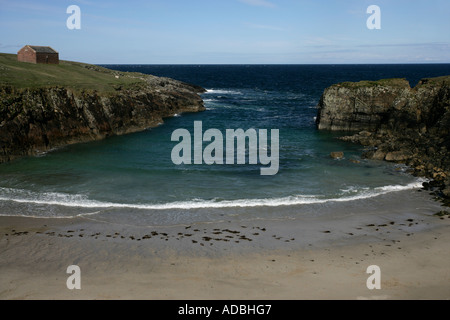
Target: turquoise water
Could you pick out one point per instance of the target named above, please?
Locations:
(134, 173)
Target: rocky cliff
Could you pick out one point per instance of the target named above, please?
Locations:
(35, 120)
(396, 123)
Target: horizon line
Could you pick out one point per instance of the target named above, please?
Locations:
(258, 64)
(262, 64)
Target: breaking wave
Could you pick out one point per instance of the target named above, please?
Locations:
(80, 201)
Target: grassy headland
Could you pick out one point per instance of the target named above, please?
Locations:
(43, 106)
(74, 75)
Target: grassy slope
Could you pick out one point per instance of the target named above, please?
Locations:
(400, 83)
(75, 75)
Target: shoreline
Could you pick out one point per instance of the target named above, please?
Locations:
(324, 258)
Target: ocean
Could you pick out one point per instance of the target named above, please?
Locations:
(132, 179)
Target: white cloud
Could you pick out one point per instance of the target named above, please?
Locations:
(259, 3)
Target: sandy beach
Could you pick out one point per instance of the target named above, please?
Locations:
(255, 259)
(211, 152)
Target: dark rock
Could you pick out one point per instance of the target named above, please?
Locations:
(442, 213)
(446, 192)
(379, 155)
(359, 106)
(35, 120)
(397, 156)
(337, 155)
(395, 123)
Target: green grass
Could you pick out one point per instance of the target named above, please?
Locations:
(395, 82)
(436, 81)
(383, 82)
(74, 75)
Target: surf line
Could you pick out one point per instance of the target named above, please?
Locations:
(213, 153)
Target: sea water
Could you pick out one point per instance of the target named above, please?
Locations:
(132, 178)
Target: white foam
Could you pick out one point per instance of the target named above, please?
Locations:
(414, 185)
(51, 217)
(66, 200)
(350, 189)
(222, 91)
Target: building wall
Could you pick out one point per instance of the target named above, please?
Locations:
(49, 58)
(26, 55)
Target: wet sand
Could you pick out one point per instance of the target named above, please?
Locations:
(255, 259)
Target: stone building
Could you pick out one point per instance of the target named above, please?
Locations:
(38, 54)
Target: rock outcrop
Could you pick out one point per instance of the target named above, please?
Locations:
(396, 123)
(35, 120)
(337, 155)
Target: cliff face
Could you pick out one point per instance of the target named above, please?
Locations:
(361, 106)
(40, 119)
(397, 123)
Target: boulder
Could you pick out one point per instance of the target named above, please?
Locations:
(337, 155)
(446, 192)
(397, 156)
(378, 155)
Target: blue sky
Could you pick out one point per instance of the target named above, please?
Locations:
(231, 31)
